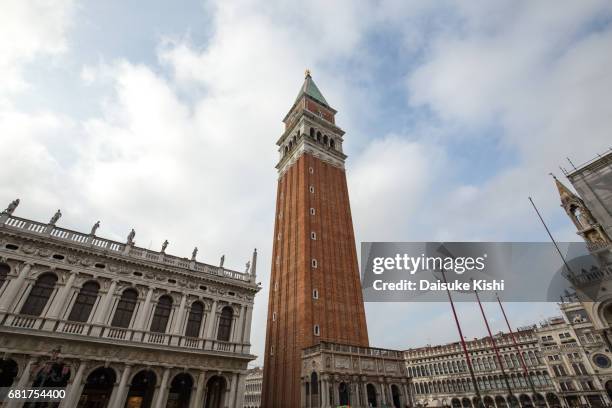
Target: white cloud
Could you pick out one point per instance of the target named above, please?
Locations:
(30, 29)
(184, 150)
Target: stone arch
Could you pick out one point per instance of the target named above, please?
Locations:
(539, 401)
(489, 402)
(216, 387)
(5, 270)
(371, 395)
(553, 400)
(525, 401)
(455, 403)
(180, 390)
(126, 305)
(98, 387)
(8, 372)
(314, 389)
(466, 402)
(343, 393)
(500, 402)
(40, 294)
(142, 388)
(396, 396)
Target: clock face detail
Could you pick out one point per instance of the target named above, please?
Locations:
(602, 361)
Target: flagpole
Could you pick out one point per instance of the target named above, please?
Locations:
(569, 270)
(516, 345)
(463, 345)
(499, 360)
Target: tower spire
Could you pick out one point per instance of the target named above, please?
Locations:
(565, 193)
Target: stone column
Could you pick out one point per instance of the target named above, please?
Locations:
(210, 321)
(59, 302)
(407, 395)
(323, 391)
(180, 315)
(197, 399)
(240, 389)
(365, 394)
(14, 287)
(383, 393)
(105, 304)
(143, 314)
(120, 393)
(231, 401)
(76, 387)
(24, 381)
(247, 327)
(237, 338)
(163, 388)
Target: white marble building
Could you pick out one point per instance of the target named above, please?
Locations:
(118, 325)
(254, 382)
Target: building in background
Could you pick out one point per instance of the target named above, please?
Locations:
(118, 324)
(342, 375)
(590, 210)
(252, 393)
(315, 289)
(556, 364)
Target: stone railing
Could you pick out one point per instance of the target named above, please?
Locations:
(52, 327)
(119, 248)
(345, 348)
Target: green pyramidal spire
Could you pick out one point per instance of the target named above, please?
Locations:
(310, 88)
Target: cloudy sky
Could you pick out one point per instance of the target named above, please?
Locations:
(163, 118)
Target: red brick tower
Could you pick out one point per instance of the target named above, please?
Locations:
(315, 290)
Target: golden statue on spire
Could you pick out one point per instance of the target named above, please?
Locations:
(307, 73)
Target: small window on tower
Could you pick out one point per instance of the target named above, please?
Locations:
(313, 236)
(317, 330)
(275, 286)
(313, 263)
(311, 170)
(315, 294)
(273, 316)
(271, 350)
(277, 259)
(278, 236)
(311, 189)
(312, 211)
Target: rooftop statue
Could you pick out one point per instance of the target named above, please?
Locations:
(56, 216)
(11, 207)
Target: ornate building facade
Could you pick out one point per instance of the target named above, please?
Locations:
(556, 364)
(252, 394)
(343, 375)
(315, 289)
(117, 325)
(590, 210)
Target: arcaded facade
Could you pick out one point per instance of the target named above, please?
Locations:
(118, 325)
(555, 364)
(342, 375)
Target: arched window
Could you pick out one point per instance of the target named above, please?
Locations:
(39, 295)
(125, 308)
(194, 321)
(332, 143)
(312, 133)
(325, 139)
(225, 324)
(318, 136)
(85, 302)
(161, 314)
(4, 271)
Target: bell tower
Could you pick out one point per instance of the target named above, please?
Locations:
(315, 289)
